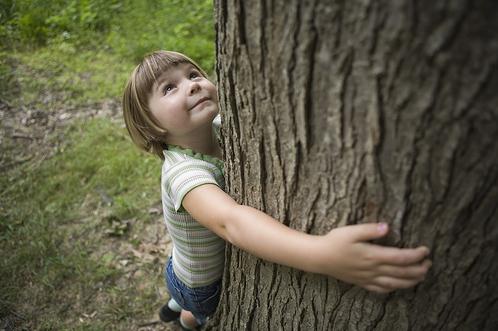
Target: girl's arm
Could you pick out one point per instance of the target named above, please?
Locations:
(344, 253)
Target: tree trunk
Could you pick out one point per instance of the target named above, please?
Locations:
(342, 112)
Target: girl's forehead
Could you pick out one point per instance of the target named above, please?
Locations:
(173, 71)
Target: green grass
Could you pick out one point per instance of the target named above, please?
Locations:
(67, 223)
(97, 155)
(52, 226)
(62, 76)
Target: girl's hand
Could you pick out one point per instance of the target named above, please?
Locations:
(345, 254)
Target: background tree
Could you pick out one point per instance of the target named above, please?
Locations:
(341, 112)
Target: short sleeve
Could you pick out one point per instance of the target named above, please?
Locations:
(184, 176)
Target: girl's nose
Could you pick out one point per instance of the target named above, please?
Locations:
(194, 87)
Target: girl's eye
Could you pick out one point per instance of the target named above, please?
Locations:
(168, 88)
(193, 75)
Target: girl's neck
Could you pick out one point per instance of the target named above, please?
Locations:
(205, 144)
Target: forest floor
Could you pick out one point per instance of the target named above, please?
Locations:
(105, 272)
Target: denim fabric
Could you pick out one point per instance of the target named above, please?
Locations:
(201, 301)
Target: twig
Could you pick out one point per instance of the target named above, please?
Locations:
(19, 135)
(149, 323)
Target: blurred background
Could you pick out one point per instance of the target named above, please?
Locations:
(82, 244)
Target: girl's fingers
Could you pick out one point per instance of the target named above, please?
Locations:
(398, 256)
(394, 283)
(417, 271)
(377, 289)
(367, 231)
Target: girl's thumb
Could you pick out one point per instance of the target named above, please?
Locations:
(370, 231)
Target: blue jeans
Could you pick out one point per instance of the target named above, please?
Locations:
(201, 301)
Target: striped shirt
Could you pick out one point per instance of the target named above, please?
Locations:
(198, 253)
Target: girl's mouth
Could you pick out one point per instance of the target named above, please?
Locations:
(201, 100)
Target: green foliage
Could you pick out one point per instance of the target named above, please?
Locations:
(34, 22)
(129, 28)
(91, 15)
(91, 46)
(184, 26)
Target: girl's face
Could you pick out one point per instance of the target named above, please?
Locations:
(182, 100)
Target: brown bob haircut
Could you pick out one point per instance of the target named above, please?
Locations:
(143, 128)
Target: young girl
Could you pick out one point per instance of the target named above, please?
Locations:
(169, 106)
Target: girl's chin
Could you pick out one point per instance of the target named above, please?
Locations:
(212, 112)
(205, 109)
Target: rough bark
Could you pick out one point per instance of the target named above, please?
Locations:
(342, 112)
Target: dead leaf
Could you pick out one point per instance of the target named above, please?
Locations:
(116, 226)
(155, 211)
